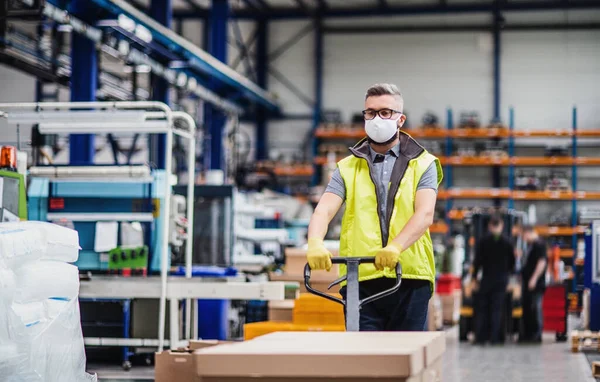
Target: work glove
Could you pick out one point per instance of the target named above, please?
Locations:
(318, 256)
(388, 257)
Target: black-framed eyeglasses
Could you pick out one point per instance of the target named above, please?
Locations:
(383, 113)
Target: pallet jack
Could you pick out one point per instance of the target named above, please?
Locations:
(352, 303)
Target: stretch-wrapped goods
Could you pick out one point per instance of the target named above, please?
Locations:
(40, 329)
(24, 242)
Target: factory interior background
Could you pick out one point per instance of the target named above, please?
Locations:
(191, 218)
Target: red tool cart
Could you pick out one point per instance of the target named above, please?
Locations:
(554, 309)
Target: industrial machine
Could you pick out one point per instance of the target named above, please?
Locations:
(113, 208)
(592, 273)
(13, 203)
(476, 224)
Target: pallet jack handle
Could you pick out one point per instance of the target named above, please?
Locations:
(351, 277)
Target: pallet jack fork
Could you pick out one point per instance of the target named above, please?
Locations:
(352, 304)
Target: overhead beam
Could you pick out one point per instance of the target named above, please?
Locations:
(250, 4)
(322, 4)
(197, 8)
(392, 10)
(302, 5)
(459, 28)
(263, 4)
(200, 61)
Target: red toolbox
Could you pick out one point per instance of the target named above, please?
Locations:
(447, 284)
(554, 310)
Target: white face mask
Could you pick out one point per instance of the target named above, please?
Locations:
(380, 130)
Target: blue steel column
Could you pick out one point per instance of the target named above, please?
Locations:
(449, 151)
(511, 154)
(574, 179)
(496, 172)
(318, 93)
(262, 67)
(161, 11)
(215, 120)
(84, 81)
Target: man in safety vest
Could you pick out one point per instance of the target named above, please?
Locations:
(389, 184)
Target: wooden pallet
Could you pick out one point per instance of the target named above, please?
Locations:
(596, 369)
(585, 340)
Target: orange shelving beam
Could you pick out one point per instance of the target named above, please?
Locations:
(438, 228)
(428, 133)
(482, 132)
(559, 231)
(460, 160)
(587, 161)
(591, 133)
(345, 133)
(587, 195)
(475, 193)
(542, 133)
(356, 131)
(542, 161)
(457, 214)
(302, 170)
(542, 195)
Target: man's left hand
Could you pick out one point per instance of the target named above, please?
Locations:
(531, 284)
(388, 257)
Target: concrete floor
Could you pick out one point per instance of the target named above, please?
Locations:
(549, 362)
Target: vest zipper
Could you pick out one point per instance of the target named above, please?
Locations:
(383, 242)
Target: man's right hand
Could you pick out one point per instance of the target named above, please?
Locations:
(318, 256)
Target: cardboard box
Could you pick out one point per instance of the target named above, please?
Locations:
(281, 311)
(434, 314)
(295, 261)
(180, 364)
(202, 344)
(451, 307)
(319, 280)
(332, 356)
(175, 366)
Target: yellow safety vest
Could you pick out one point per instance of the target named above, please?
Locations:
(361, 231)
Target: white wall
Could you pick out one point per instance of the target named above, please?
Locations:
(433, 70)
(545, 73)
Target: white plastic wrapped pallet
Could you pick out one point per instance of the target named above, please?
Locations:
(40, 331)
(21, 242)
(44, 279)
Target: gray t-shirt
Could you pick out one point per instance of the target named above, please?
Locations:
(382, 172)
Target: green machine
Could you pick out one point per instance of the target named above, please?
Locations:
(13, 198)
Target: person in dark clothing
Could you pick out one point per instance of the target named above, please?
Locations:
(533, 286)
(494, 256)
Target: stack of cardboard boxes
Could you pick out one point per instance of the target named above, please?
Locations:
(295, 260)
(309, 313)
(451, 303)
(304, 357)
(434, 314)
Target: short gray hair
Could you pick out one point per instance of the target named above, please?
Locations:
(385, 89)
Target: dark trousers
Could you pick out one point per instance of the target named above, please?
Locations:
(405, 310)
(489, 308)
(532, 314)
